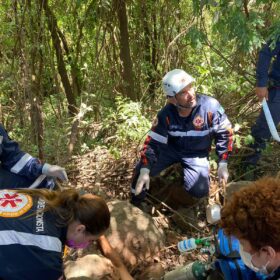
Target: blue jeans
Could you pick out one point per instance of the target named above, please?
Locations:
(260, 130)
(195, 170)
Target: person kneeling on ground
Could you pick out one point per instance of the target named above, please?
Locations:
(183, 132)
(253, 216)
(35, 225)
(20, 170)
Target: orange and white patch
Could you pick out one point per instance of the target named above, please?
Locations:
(14, 204)
(198, 122)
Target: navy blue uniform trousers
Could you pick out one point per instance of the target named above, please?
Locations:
(195, 171)
(260, 131)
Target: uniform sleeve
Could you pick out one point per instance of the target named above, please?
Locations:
(263, 64)
(223, 133)
(157, 137)
(15, 160)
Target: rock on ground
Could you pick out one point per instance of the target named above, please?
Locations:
(233, 187)
(90, 267)
(133, 233)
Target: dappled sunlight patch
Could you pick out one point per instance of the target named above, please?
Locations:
(133, 234)
(91, 267)
(142, 223)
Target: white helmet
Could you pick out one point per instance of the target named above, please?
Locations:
(175, 80)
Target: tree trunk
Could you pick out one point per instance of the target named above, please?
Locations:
(34, 77)
(18, 53)
(52, 23)
(127, 69)
(150, 51)
(75, 71)
(36, 107)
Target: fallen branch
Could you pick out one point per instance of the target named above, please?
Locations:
(175, 212)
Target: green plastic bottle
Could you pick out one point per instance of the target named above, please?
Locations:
(191, 244)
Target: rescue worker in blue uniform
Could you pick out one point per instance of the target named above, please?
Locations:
(20, 170)
(268, 87)
(35, 226)
(182, 132)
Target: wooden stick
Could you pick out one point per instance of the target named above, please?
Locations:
(175, 212)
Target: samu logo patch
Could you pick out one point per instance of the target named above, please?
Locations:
(14, 204)
(198, 122)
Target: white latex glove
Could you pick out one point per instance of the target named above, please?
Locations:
(143, 179)
(223, 172)
(55, 171)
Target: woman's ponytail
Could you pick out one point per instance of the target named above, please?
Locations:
(69, 205)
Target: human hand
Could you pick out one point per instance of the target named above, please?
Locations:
(223, 172)
(143, 179)
(261, 92)
(55, 171)
(114, 257)
(109, 252)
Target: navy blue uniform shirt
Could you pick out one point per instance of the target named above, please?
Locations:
(31, 241)
(268, 66)
(190, 136)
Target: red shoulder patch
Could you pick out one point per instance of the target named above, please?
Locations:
(198, 122)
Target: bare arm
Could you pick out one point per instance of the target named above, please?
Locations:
(111, 254)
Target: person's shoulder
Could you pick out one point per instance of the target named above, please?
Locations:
(3, 133)
(2, 129)
(271, 45)
(169, 107)
(275, 275)
(21, 218)
(208, 101)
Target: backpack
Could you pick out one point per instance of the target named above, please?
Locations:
(229, 260)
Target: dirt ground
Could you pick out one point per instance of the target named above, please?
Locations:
(100, 173)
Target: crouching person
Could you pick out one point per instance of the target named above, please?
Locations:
(182, 133)
(35, 225)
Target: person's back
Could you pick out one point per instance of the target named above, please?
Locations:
(31, 244)
(35, 225)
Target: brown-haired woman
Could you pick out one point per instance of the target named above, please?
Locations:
(253, 216)
(36, 224)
